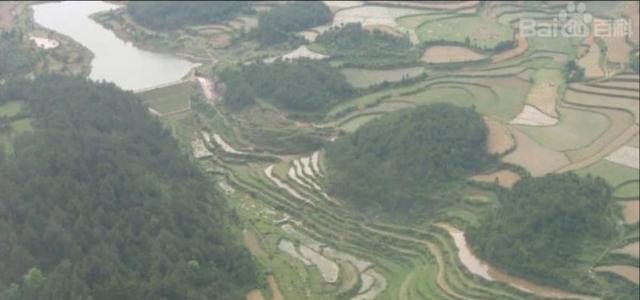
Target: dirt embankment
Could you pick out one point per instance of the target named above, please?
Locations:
(6, 13)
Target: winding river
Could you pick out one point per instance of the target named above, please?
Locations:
(114, 60)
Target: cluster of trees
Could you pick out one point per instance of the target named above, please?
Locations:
(368, 48)
(573, 72)
(407, 160)
(278, 24)
(300, 86)
(99, 203)
(172, 15)
(559, 218)
(16, 58)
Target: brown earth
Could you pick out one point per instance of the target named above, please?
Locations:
(6, 13)
(504, 178)
(500, 139)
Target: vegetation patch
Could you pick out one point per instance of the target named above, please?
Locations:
(556, 239)
(302, 86)
(97, 172)
(171, 15)
(16, 58)
(279, 23)
(474, 31)
(359, 47)
(400, 161)
(363, 78)
(169, 99)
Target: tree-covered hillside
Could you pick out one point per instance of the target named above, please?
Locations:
(360, 47)
(171, 15)
(404, 160)
(16, 59)
(300, 86)
(559, 218)
(99, 203)
(278, 24)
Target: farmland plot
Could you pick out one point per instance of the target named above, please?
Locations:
(449, 54)
(534, 157)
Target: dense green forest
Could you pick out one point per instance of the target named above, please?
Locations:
(278, 24)
(16, 58)
(365, 48)
(560, 219)
(406, 160)
(171, 15)
(99, 203)
(300, 86)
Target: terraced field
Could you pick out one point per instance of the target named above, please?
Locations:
(313, 246)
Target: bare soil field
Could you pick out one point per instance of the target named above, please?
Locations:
(543, 96)
(255, 295)
(504, 178)
(450, 54)
(303, 52)
(630, 273)
(252, 243)
(6, 13)
(632, 249)
(626, 155)
(630, 211)
(533, 117)
(273, 286)
(500, 139)
(591, 62)
(44, 43)
(532, 156)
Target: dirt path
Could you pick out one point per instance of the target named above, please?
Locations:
(255, 295)
(207, 88)
(252, 243)
(275, 290)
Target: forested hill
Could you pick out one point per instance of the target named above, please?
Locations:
(405, 160)
(170, 15)
(99, 203)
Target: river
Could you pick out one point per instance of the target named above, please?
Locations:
(114, 60)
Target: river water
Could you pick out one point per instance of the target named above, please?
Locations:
(114, 60)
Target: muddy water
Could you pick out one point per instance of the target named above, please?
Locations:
(488, 272)
(114, 59)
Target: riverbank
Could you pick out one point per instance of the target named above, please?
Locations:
(68, 57)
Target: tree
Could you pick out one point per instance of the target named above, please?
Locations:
(559, 217)
(172, 15)
(279, 23)
(98, 202)
(408, 160)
